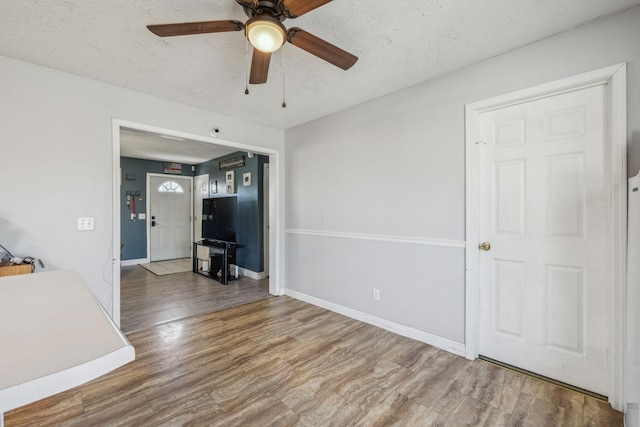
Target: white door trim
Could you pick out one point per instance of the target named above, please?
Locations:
(265, 219)
(615, 78)
(276, 204)
(197, 219)
(148, 208)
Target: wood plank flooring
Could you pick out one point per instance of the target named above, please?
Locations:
(282, 362)
(147, 299)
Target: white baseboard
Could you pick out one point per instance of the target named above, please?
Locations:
(406, 331)
(128, 262)
(252, 274)
(632, 416)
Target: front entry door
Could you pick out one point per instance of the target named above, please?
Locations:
(170, 217)
(544, 197)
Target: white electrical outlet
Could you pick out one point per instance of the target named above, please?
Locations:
(85, 224)
(376, 294)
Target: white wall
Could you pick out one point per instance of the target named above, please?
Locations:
(56, 162)
(395, 167)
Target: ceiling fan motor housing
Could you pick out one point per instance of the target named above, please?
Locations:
(276, 9)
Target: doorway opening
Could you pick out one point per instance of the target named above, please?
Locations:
(196, 142)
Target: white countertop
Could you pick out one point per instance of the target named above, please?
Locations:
(54, 335)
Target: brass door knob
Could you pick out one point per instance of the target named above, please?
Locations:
(485, 246)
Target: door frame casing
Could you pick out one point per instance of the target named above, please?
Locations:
(197, 219)
(265, 217)
(614, 78)
(148, 207)
(276, 196)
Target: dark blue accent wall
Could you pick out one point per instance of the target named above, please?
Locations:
(133, 234)
(250, 231)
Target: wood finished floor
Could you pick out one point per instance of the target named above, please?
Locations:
(147, 299)
(282, 362)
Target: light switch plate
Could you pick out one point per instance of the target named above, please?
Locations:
(142, 216)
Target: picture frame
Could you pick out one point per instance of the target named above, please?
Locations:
(230, 182)
(172, 168)
(213, 187)
(246, 179)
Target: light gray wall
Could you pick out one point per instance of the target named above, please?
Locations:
(57, 152)
(369, 187)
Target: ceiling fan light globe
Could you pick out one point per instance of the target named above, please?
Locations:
(265, 35)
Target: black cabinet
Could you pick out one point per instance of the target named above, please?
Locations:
(221, 256)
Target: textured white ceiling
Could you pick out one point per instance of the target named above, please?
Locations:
(399, 43)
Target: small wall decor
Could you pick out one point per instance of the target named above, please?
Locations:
(236, 162)
(246, 179)
(213, 187)
(173, 168)
(231, 182)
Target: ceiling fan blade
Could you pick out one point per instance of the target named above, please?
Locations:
(168, 30)
(259, 67)
(300, 7)
(320, 48)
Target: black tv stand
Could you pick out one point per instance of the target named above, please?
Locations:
(221, 255)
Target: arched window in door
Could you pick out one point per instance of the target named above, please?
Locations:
(170, 187)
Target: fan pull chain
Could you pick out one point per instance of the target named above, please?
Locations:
(284, 104)
(246, 66)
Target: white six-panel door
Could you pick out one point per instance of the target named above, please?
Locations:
(543, 208)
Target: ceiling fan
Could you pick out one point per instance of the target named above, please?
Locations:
(266, 33)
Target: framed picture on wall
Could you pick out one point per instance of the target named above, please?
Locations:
(230, 181)
(213, 187)
(246, 179)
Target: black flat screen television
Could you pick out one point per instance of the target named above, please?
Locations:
(219, 219)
